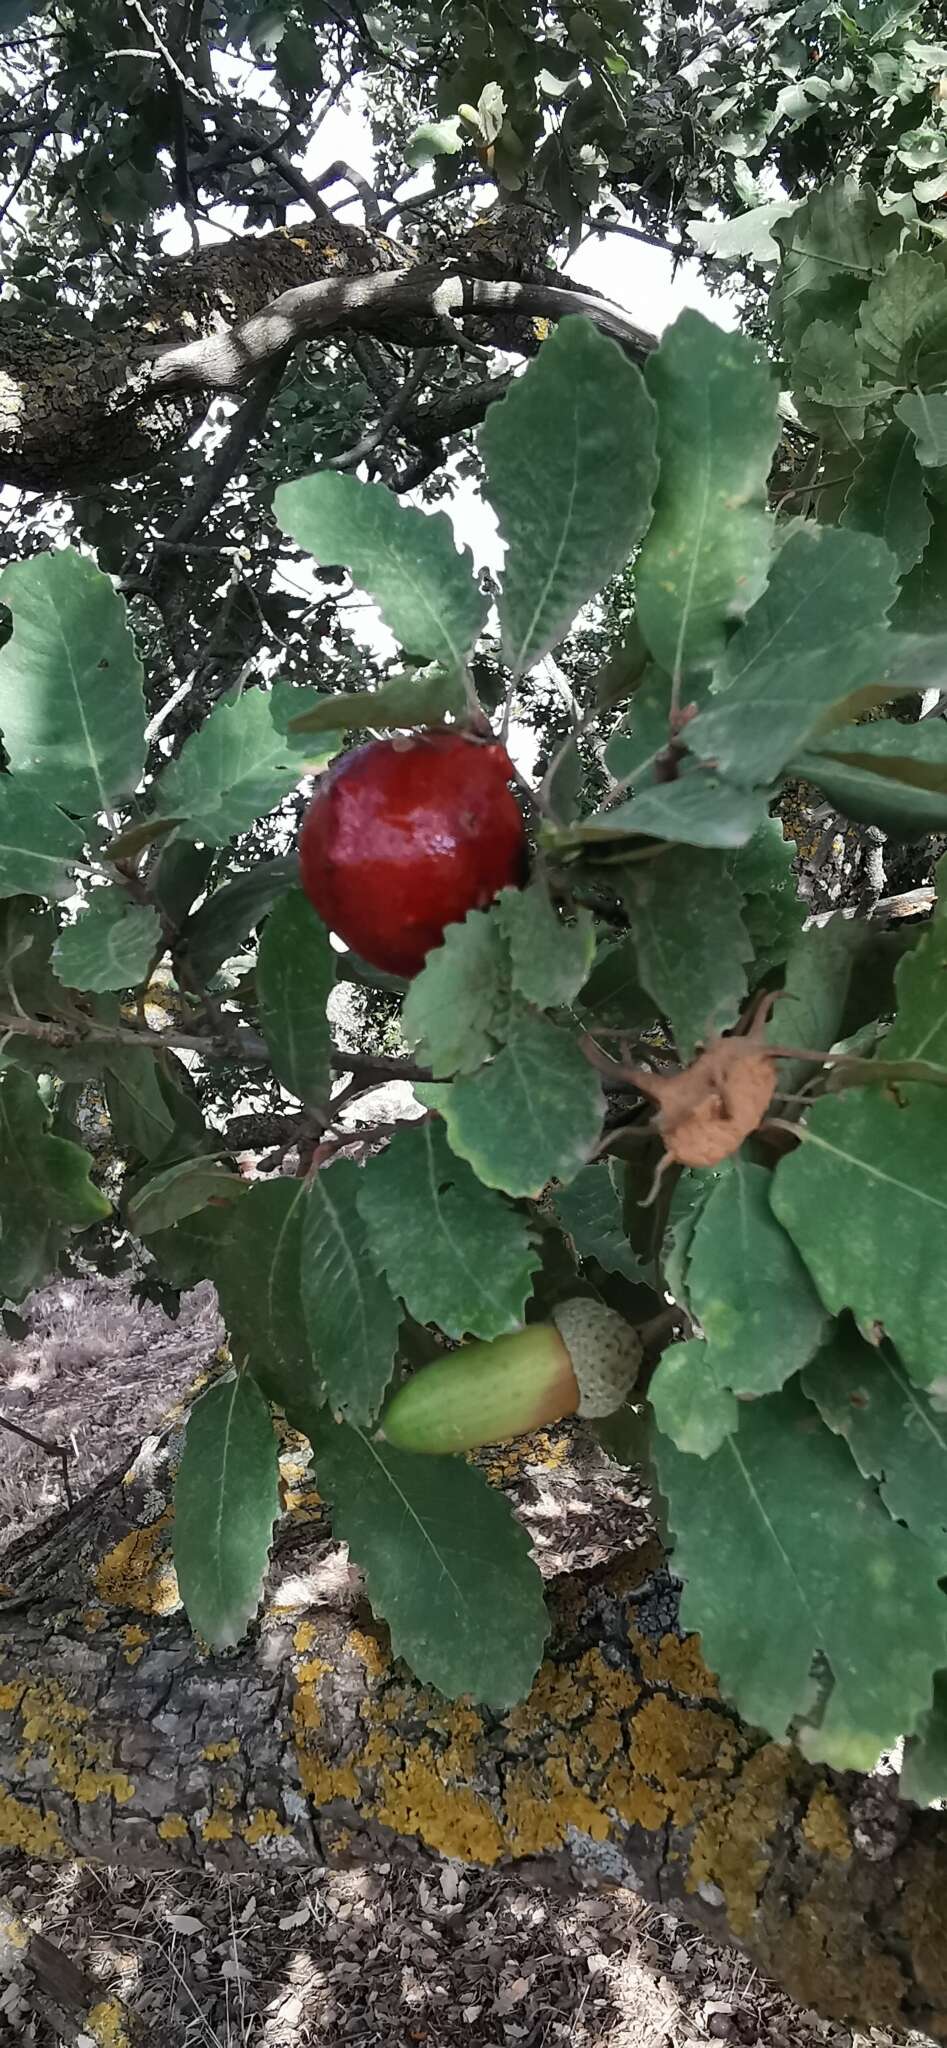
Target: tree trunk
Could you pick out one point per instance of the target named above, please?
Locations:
(122, 1739)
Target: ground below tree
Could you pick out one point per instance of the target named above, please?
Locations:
(397, 1956)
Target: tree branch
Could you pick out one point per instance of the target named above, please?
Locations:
(228, 361)
(247, 1046)
(310, 1744)
(351, 457)
(42, 1443)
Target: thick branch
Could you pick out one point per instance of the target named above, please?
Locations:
(123, 1740)
(375, 304)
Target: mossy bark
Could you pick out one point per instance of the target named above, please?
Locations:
(122, 1739)
(82, 405)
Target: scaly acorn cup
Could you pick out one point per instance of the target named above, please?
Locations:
(584, 1362)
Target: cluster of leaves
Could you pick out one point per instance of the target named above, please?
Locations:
(799, 1423)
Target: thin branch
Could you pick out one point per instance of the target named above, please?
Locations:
(257, 145)
(340, 172)
(248, 1047)
(218, 473)
(620, 227)
(351, 457)
(43, 1443)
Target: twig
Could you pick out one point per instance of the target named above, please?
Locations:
(339, 172)
(42, 1443)
(219, 471)
(351, 457)
(249, 1048)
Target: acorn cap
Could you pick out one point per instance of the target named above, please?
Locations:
(605, 1352)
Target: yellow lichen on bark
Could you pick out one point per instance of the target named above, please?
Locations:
(825, 1827)
(56, 1725)
(263, 1823)
(173, 1828)
(138, 1571)
(217, 1828)
(731, 1847)
(106, 2024)
(449, 1818)
(23, 1826)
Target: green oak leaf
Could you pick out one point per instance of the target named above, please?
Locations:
(226, 1500)
(833, 245)
(458, 1254)
(644, 732)
(406, 560)
(455, 1008)
(532, 1115)
(613, 993)
(110, 946)
(27, 937)
(72, 708)
(38, 844)
(919, 1031)
(698, 809)
(788, 1556)
(141, 1117)
(692, 1403)
(878, 1158)
(225, 919)
(772, 912)
(550, 960)
(741, 1264)
(570, 470)
(181, 1190)
(888, 315)
(808, 644)
(887, 773)
(351, 1316)
(434, 138)
(706, 554)
(423, 697)
(232, 771)
(295, 977)
(690, 939)
(924, 413)
(590, 1212)
(746, 236)
(887, 497)
(893, 1431)
(688, 1198)
(445, 1561)
(820, 965)
(178, 877)
(828, 376)
(45, 1189)
(879, 1162)
(258, 1275)
(186, 1252)
(919, 611)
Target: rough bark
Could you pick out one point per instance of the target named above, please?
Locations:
(122, 1739)
(79, 407)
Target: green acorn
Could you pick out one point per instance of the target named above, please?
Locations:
(584, 1362)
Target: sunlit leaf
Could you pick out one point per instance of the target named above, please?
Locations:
(226, 1500)
(445, 1563)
